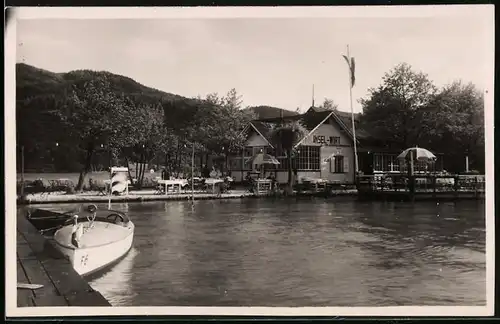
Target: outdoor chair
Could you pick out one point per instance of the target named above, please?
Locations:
(222, 188)
(101, 188)
(250, 186)
(200, 185)
(197, 184)
(98, 186)
(159, 188)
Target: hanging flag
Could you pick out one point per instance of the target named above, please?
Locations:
(352, 67)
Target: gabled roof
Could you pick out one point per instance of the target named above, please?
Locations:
(312, 119)
(263, 129)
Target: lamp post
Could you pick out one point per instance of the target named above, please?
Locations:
(192, 172)
(466, 161)
(108, 149)
(224, 169)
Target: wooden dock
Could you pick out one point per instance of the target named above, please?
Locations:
(420, 187)
(38, 262)
(132, 197)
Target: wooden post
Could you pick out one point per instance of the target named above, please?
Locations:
(22, 171)
(455, 186)
(192, 173)
(475, 187)
(434, 182)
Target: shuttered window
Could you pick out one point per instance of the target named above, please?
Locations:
(339, 164)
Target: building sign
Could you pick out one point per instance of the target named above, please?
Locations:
(326, 140)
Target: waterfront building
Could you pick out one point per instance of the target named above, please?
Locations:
(326, 151)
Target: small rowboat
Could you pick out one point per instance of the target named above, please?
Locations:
(102, 240)
(93, 239)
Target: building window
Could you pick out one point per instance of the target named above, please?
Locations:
(383, 162)
(308, 158)
(339, 164)
(247, 155)
(248, 152)
(235, 163)
(334, 140)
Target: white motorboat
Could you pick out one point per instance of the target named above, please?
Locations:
(96, 240)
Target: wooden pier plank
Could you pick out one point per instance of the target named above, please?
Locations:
(48, 294)
(42, 263)
(25, 297)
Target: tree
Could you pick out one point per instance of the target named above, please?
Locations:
(284, 137)
(454, 125)
(151, 139)
(232, 100)
(220, 121)
(329, 104)
(93, 114)
(394, 110)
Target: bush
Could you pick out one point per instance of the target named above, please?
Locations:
(70, 189)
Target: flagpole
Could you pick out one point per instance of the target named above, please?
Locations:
(352, 114)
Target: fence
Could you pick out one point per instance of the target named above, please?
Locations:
(421, 183)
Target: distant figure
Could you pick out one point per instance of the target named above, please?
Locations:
(249, 182)
(165, 175)
(76, 232)
(273, 181)
(206, 172)
(213, 173)
(224, 186)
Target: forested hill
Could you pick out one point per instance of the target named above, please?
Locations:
(32, 81)
(43, 96)
(264, 112)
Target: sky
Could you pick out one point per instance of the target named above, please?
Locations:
(270, 61)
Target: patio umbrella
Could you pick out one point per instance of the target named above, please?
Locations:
(263, 158)
(418, 153)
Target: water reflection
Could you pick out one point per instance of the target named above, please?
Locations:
(309, 252)
(115, 285)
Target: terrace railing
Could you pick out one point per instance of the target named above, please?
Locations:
(421, 183)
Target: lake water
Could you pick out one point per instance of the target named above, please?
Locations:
(307, 252)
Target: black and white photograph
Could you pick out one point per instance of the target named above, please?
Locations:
(290, 161)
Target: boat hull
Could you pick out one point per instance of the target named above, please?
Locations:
(88, 260)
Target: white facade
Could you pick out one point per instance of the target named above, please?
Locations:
(312, 160)
(332, 141)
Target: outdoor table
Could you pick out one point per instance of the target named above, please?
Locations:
(174, 182)
(213, 182)
(314, 183)
(108, 181)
